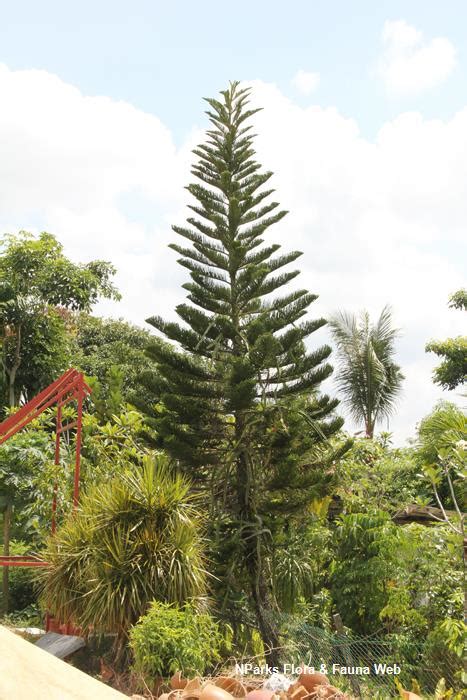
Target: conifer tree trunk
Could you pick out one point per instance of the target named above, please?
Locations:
(248, 517)
(252, 548)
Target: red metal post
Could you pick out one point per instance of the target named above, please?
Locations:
(79, 426)
(58, 427)
(69, 387)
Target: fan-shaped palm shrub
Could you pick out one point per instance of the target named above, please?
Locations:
(134, 539)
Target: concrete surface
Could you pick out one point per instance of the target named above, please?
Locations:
(30, 673)
(60, 645)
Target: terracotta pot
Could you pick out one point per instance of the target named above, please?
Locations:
(408, 695)
(260, 694)
(311, 680)
(53, 625)
(177, 682)
(329, 692)
(193, 684)
(298, 693)
(214, 692)
(175, 694)
(231, 685)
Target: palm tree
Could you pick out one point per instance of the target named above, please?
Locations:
(367, 375)
(134, 539)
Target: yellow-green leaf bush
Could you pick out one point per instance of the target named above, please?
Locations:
(170, 638)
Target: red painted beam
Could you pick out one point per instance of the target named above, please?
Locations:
(21, 561)
(69, 387)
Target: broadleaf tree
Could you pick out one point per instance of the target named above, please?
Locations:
(452, 371)
(39, 287)
(226, 389)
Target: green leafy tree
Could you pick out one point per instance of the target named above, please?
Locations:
(302, 555)
(106, 347)
(368, 377)
(452, 371)
(135, 538)
(38, 286)
(112, 446)
(107, 396)
(22, 459)
(241, 354)
(374, 475)
(425, 602)
(426, 588)
(364, 567)
(442, 451)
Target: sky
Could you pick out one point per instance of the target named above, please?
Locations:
(364, 124)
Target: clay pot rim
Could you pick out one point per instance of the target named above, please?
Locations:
(227, 682)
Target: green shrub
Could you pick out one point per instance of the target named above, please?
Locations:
(134, 539)
(170, 639)
(22, 592)
(437, 655)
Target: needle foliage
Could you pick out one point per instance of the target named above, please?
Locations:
(224, 389)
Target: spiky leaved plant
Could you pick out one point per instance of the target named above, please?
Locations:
(134, 539)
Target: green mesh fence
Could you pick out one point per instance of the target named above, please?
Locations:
(369, 667)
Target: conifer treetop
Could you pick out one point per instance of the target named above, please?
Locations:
(235, 276)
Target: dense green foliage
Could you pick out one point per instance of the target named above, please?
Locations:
(135, 538)
(38, 288)
(38, 284)
(22, 460)
(366, 560)
(109, 347)
(375, 475)
(368, 377)
(441, 453)
(22, 590)
(452, 371)
(169, 639)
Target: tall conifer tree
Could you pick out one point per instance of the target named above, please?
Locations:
(240, 362)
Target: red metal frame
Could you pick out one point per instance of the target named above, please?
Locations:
(67, 388)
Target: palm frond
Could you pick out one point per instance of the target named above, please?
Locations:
(367, 376)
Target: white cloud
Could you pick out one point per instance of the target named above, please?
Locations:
(305, 82)
(411, 65)
(379, 221)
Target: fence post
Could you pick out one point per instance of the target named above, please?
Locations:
(346, 653)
